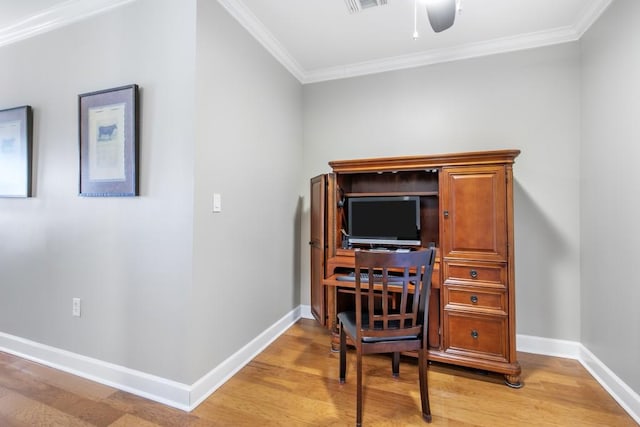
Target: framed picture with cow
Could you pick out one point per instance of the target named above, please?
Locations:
(109, 146)
(16, 142)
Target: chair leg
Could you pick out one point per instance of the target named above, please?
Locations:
(395, 364)
(424, 385)
(343, 355)
(359, 388)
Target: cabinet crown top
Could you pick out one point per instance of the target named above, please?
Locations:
(425, 162)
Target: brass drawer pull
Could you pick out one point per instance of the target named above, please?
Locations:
(474, 299)
(474, 334)
(473, 274)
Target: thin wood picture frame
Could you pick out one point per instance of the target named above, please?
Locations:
(16, 147)
(109, 146)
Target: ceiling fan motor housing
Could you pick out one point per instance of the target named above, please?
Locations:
(442, 14)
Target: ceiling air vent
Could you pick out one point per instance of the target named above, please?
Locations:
(358, 5)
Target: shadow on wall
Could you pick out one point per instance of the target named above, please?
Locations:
(297, 255)
(539, 252)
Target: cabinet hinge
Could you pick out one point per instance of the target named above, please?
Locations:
(440, 330)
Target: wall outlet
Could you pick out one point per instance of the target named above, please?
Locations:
(75, 308)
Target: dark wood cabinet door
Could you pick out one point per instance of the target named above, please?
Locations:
(474, 213)
(317, 245)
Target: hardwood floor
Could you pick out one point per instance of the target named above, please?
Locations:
(294, 382)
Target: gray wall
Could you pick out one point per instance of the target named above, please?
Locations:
(157, 273)
(249, 134)
(527, 100)
(129, 259)
(161, 277)
(610, 206)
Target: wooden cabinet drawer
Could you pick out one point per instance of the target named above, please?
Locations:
(472, 335)
(475, 299)
(476, 273)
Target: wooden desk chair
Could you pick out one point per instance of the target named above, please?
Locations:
(375, 327)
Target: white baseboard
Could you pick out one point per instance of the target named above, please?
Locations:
(618, 389)
(548, 346)
(139, 383)
(187, 397)
(305, 312)
(209, 383)
(171, 393)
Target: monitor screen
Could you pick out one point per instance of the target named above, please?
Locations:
(384, 220)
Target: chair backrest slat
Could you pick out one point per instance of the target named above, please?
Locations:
(396, 292)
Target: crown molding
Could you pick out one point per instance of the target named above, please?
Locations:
(259, 31)
(55, 17)
(501, 45)
(76, 10)
(467, 51)
(436, 56)
(590, 16)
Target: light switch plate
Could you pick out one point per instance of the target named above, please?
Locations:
(75, 310)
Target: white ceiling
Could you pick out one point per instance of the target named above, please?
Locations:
(319, 40)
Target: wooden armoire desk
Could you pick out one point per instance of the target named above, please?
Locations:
(466, 211)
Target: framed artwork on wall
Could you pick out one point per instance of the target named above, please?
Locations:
(108, 125)
(16, 145)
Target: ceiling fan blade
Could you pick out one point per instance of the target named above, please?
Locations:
(442, 14)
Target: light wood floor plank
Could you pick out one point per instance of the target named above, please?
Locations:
(294, 382)
(62, 380)
(32, 413)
